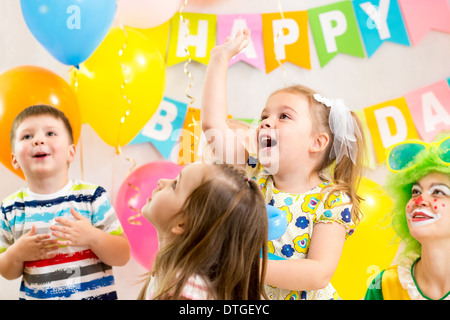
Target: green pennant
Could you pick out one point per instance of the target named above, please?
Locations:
(334, 29)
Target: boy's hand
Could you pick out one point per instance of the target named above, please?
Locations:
(32, 247)
(74, 233)
(233, 46)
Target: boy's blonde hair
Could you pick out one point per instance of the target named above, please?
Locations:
(345, 175)
(39, 110)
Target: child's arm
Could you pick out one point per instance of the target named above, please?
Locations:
(316, 271)
(214, 100)
(113, 250)
(29, 247)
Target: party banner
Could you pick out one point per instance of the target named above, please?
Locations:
(422, 16)
(163, 129)
(430, 109)
(380, 21)
(197, 34)
(286, 39)
(229, 25)
(389, 122)
(335, 30)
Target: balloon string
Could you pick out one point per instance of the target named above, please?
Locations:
(188, 54)
(122, 88)
(132, 219)
(75, 78)
(281, 32)
(80, 142)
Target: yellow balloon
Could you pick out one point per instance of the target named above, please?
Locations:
(370, 249)
(120, 86)
(158, 36)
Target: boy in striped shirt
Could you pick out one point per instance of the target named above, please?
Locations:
(62, 236)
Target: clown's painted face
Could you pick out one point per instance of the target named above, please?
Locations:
(428, 210)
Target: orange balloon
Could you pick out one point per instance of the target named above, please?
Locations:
(25, 86)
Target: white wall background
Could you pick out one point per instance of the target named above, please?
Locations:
(390, 73)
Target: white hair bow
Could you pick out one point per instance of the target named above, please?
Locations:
(344, 127)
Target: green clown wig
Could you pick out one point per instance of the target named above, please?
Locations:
(399, 186)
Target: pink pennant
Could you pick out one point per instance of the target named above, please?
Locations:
(422, 16)
(430, 109)
(229, 25)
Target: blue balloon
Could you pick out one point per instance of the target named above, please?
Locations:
(70, 30)
(277, 222)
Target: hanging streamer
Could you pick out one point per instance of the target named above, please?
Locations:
(132, 219)
(188, 55)
(122, 88)
(80, 141)
(194, 139)
(281, 32)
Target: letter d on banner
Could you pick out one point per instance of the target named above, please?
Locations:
(389, 122)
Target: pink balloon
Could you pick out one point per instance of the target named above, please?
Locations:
(146, 14)
(133, 192)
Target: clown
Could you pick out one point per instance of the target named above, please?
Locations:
(420, 184)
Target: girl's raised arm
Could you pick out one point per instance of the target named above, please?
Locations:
(214, 100)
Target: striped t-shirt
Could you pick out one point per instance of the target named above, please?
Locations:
(75, 272)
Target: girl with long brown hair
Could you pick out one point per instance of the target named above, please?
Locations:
(212, 227)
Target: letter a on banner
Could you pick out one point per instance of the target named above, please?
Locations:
(430, 109)
(389, 122)
(200, 38)
(229, 25)
(335, 30)
(291, 44)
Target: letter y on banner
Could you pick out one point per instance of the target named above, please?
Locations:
(379, 21)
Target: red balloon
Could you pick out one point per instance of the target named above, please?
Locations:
(130, 199)
(25, 86)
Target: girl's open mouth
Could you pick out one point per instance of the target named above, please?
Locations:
(266, 141)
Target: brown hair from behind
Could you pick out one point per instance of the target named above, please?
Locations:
(345, 175)
(226, 229)
(39, 110)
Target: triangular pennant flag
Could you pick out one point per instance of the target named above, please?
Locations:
(335, 30)
(198, 37)
(422, 16)
(230, 24)
(380, 21)
(286, 39)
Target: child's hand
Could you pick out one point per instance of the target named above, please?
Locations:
(74, 233)
(32, 247)
(231, 47)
